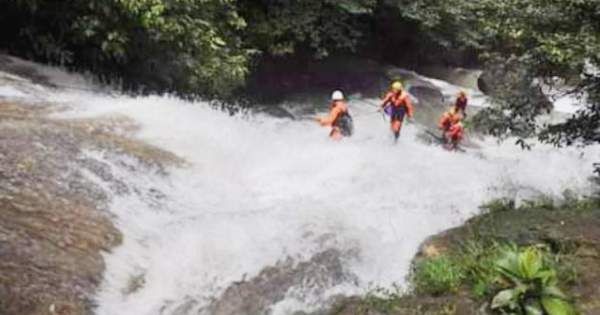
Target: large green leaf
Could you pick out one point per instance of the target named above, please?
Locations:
(534, 308)
(548, 277)
(508, 264)
(554, 291)
(530, 262)
(505, 298)
(556, 306)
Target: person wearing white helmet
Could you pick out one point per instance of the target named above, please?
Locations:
(339, 118)
(337, 95)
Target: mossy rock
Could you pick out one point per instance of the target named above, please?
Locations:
(570, 230)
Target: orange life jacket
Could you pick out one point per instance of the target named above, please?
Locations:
(448, 119)
(456, 132)
(399, 99)
(338, 108)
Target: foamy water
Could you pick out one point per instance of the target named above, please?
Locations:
(259, 189)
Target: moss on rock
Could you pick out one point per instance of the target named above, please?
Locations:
(569, 229)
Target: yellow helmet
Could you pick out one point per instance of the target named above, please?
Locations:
(397, 86)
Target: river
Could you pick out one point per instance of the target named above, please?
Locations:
(258, 191)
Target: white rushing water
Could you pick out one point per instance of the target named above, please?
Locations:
(259, 189)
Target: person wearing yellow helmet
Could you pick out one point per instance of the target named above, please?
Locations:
(397, 86)
(397, 104)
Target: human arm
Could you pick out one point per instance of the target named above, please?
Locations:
(328, 121)
(443, 122)
(409, 106)
(386, 99)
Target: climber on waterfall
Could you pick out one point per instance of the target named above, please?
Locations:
(454, 135)
(452, 128)
(449, 118)
(397, 104)
(339, 117)
(461, 103)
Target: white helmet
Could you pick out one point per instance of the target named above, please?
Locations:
(337, 96)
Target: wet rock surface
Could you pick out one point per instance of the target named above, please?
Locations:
(285, 279)
(494, 82)
(54, 219)
(312, 83)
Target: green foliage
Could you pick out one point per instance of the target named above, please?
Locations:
(483, 259)
(531, 284)
(515, 280)
(581, 204)
(477, 259)
(209, 47)
(437, 276)
(186, 46)
(569, 201)
(499, 205)
(545, 45)
(280, 27)
(528, 46)
(382, 300)
(189, 46)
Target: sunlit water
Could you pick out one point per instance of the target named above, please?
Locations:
(259, 189)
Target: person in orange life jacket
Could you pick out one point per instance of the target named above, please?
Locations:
(455, 133)
(449, 118)
(461, 103)
(339, 118)
(399, 105)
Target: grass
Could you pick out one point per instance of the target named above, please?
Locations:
(438, 275)
(478, 259)
(474, 269)
(569, 201)
(382, 300)
(471, 266)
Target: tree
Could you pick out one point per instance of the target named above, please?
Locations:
(185, 46)
(528, 46)
(280, 27)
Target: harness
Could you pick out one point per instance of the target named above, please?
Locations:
(397, 107)
(344, 122)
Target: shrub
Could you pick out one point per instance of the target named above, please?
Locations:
(438, 275)
(382, 300)
(499, 205)
(531, 284)
(478, 259)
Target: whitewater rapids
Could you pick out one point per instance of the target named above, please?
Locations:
(257, 190)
